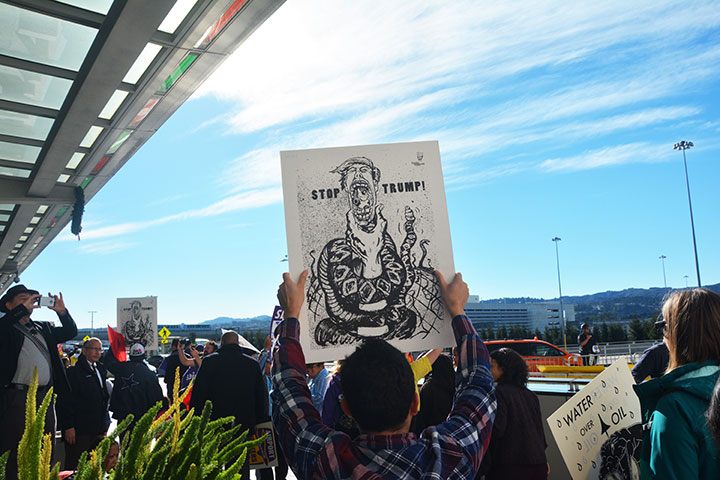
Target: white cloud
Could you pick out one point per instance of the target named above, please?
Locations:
(105, 247)
(479, 77)
(240, 201)
(617, 155)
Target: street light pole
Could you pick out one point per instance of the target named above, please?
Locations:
(662, 259)
(686, 284)
(562, 311)
(683, 145)
(92, 318)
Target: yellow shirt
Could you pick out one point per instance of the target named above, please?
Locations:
(420, 367)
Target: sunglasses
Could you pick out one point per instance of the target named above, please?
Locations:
(660, 326)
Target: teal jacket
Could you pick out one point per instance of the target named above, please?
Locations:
(678, 444)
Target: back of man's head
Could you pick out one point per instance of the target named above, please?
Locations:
(229, 338)
(378, 386)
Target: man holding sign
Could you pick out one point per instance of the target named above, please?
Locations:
(379, 393)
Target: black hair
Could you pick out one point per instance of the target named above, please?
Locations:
(514, 369)
(175, 342)
(378, 385)
(713, 413)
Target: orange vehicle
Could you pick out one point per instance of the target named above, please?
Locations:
(537, 352)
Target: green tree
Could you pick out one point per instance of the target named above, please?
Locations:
(538, 334)
(638, 331)
(617, 333)
(502, 333)
(604, 333)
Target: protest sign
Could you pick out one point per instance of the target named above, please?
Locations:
(370, 223)
(275, 320)
(264, 455)
(137, 321)
(599, 430)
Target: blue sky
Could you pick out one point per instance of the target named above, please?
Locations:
(554, 119)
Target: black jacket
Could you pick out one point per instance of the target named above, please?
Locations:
(85, 407)
(518, 439)
(232, 381)
(11, 342)
(173, 364)
(436, 396)
(135, 390)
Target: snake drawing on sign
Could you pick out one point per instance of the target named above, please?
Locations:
(362, 284)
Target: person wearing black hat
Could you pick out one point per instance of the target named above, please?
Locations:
(24, 346)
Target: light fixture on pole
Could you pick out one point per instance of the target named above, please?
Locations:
(683, 145)
(662, 259)
(92, 318)
(686, 284)
(562, 311)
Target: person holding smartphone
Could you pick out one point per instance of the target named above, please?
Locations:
(24, 346)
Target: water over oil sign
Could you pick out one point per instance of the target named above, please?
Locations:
(599, 430)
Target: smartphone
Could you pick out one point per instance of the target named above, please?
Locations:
(46, 302)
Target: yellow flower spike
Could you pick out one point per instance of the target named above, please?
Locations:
(176, 433)
(45, 457)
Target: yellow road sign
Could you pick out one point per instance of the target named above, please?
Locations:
(86, 338)
(164, 333)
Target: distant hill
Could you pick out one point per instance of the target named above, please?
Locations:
(261, 322)
(610, 306)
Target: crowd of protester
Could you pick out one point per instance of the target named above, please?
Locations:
(473, 417)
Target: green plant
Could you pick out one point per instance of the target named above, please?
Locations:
(172, 446)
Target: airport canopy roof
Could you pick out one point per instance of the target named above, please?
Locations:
(83, 85)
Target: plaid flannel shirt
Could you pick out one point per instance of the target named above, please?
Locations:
(451, 450)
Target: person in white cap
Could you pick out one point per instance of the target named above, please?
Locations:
(136, 388)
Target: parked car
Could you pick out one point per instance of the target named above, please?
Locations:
(537, 352)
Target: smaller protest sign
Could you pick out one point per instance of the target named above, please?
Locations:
(599, 430)
(266, 454)
(277, 318)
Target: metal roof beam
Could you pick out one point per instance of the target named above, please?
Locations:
(62, 11)
(29, 109)
(21, 140)
(37, 67)
(15, 191)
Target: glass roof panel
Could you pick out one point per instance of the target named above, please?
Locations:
(7, 207)
(97, 6)
(75, 160)
(24, 125)
(29, 230)
(43, 39)
(34, 220)
(15, 172)
(176, 15)
(42, 209)
(32, 88)
(142, 62)
(91, 136)
(113, 104)
(63, 178)
(18, 152)
(4, 218)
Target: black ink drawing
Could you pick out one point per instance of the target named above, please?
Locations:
(138, 327)
(362, 285)
(620, 454)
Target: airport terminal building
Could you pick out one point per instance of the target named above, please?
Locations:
(529, 315)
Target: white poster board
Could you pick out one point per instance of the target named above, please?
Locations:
(371, 224)
(137, 321)
(599, 430)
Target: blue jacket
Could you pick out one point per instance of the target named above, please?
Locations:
(678, 444)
